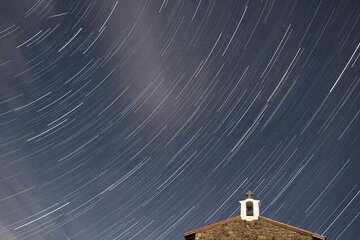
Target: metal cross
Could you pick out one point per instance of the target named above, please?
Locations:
(250, 194)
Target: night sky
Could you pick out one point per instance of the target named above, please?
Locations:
(146, 119)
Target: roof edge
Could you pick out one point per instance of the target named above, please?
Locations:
(261, 218)
(292, 228)
(210, 226)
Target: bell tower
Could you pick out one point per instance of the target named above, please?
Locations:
(249, 208)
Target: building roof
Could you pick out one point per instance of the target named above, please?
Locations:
(263, 219)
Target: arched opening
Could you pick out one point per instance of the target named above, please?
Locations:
(249, 209)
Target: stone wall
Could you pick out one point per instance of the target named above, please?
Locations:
(244, 230)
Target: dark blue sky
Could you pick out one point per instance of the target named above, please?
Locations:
(146, 119)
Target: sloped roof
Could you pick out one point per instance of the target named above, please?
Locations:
(263, 219)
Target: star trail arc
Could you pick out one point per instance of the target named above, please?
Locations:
(144, 119)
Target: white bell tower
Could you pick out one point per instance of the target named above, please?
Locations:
(249, 208)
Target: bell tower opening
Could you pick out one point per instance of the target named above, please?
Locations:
(249, 209)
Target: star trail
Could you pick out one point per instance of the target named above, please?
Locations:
(146, 119)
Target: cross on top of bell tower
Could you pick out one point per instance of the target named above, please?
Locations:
(250, 194)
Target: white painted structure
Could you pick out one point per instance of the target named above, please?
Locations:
(249, 208)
